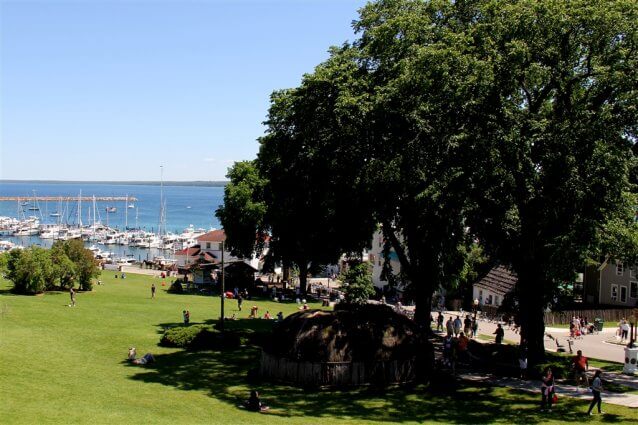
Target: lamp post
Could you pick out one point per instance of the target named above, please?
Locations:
(223, 290)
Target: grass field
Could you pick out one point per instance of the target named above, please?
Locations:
(67, 365)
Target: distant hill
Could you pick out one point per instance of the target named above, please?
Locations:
(138, 183)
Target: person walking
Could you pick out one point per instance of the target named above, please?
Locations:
(467, 325)
(500, 333)
(72, 294)
(457, 326)
(580, 364)
(439, 322)
(186, 316)
(596, 388)
(624, 330)
(474, 327)
(240, 299)
(547, 389)
(449, 326)
(152, 290)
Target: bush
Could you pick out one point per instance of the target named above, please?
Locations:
(199, 337)
(176, 287)
(560, 369)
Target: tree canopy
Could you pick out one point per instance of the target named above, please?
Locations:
(508, 121)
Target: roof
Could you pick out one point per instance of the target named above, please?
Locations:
(213, 236)
(500, 280)
(191, 252)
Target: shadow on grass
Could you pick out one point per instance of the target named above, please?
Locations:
(224, 376)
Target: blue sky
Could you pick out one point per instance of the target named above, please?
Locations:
(111, 90)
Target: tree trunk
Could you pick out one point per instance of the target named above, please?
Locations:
(303, 277)
(531, 306)
(423, 299)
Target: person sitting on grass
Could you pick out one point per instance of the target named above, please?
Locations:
(147, 359)
(267, 316)
(254, 403)
(253, 312)
(280, 316)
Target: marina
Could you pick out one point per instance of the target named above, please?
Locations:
(117, 222)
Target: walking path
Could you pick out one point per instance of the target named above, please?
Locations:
(620, 399)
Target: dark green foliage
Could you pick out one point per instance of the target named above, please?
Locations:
(357, 283)
(199, 337)
(176, 287)
(243, 212)
(85, 266)
(31, 270)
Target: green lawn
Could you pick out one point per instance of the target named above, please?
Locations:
(67, 365)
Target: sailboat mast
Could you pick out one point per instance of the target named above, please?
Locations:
(126, 213)
(94, 215)
(80, 209)
(162, 223)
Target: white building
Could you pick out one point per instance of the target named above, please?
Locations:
(491, 290)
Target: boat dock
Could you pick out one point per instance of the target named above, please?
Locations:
(68, 198)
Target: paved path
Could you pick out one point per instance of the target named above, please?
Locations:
(594, 346)
(627, 400)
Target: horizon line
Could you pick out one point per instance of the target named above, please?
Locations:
(131, 182)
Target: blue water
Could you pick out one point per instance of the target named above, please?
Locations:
(203, 201)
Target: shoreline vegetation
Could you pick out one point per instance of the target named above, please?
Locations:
(202, 183)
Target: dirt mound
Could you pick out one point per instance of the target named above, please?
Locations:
(369, 333)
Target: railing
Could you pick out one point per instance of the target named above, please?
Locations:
(608, 315)
(336, 373)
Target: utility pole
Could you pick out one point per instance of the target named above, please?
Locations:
(223, 290)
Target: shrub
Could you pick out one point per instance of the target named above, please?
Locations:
(199, 337)
(176, 287)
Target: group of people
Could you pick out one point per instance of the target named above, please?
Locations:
(623, 330)
(467, 326)
(580, 366)
(579, 326)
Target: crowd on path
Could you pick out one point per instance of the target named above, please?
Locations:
(458, 332)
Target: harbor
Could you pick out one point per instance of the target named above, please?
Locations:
(119, 223)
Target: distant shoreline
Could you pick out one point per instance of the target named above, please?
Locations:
(201, 183)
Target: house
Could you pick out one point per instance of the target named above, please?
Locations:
(212, 243)
(492, 289)
(187, 256)
(612, 283)
(375, 256)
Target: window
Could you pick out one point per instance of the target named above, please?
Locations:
(623, 294)
(619, 269)
(614, 292)
(632, 272)
(633, 289)
(207, 245)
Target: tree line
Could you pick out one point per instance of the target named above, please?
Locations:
(510, 124)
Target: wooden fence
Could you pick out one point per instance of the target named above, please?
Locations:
(608, 315)
(336, 373)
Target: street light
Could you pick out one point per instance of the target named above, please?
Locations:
(223, 290)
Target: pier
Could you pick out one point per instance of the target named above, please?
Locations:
(68, 198)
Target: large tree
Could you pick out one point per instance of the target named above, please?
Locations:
(299, 191)
(554, 116)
